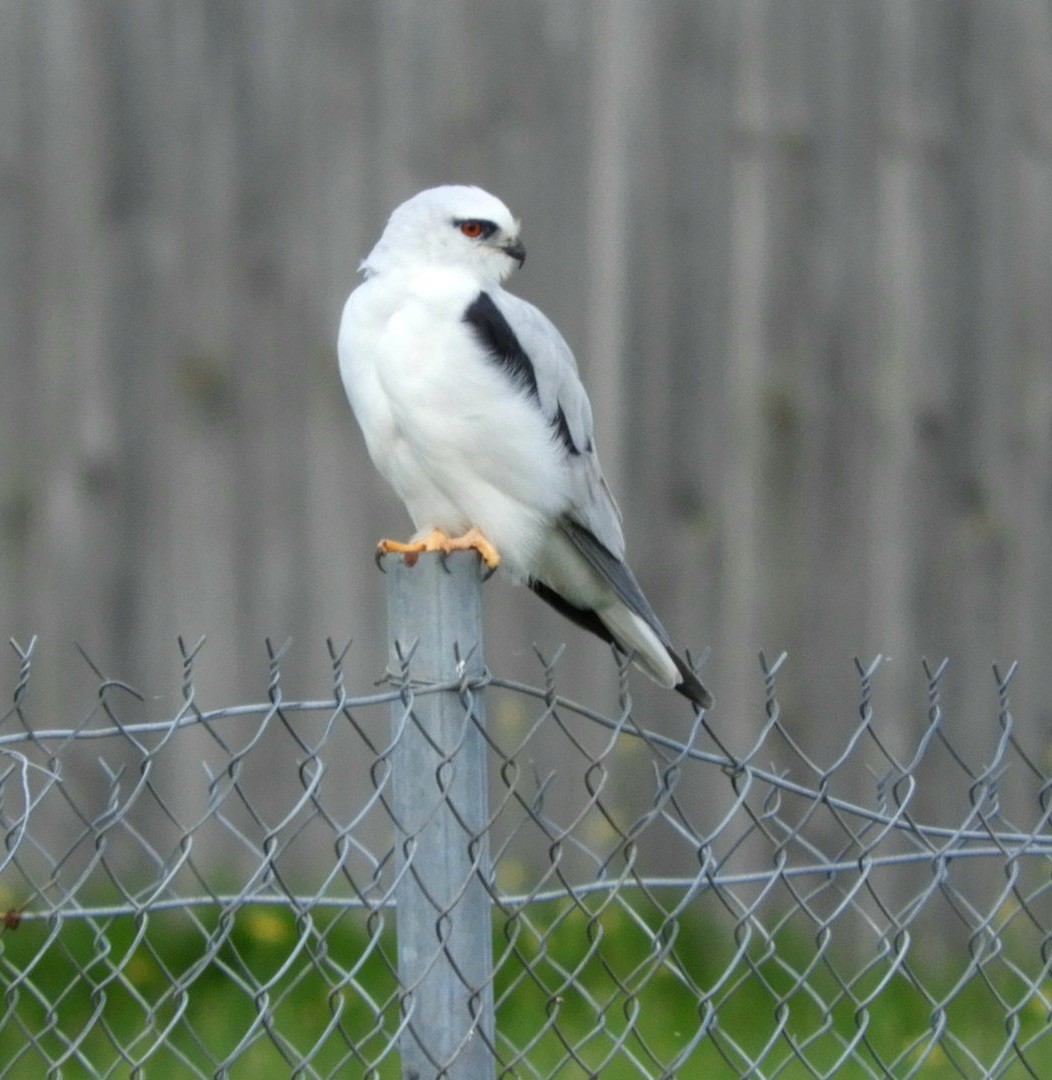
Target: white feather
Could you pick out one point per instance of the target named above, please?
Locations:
(461, 441)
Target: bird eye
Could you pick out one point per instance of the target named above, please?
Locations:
(476, 229)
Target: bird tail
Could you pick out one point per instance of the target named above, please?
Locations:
(652, 655)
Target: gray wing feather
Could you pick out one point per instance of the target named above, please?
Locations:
(616, 571)
(559, 388)
(593, 522)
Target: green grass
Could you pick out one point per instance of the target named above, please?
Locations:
(331, 995)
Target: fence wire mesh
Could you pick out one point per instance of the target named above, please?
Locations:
(211, 893)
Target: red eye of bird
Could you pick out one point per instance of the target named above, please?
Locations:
(471, 229)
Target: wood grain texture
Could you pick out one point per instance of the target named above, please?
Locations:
(801, 249)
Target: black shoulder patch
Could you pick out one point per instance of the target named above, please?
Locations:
(499, 340)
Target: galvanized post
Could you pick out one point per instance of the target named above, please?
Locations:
(440, 806)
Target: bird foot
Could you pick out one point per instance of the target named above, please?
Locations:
(437, 540)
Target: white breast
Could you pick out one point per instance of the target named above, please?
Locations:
(443, 423)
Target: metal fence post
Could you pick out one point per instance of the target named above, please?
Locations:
(440, 806)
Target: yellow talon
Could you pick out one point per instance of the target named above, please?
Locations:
(437, 540)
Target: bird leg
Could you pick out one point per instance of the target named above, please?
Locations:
(437, 540)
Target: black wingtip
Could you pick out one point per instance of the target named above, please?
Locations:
(691, 687)
(693, 690)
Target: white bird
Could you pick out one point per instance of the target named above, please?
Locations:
(471, 407)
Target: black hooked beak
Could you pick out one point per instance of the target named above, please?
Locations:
(514, 247)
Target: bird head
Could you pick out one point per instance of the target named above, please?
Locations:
(455, 226)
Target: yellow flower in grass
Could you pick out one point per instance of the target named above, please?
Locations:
(267, 927)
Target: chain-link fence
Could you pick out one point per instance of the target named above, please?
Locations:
(215, 892)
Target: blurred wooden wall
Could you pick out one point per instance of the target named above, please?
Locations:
(802, 249)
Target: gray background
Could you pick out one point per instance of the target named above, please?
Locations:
(803, 251)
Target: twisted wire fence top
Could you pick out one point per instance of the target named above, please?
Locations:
(725, 898)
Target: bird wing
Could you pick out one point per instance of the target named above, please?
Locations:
(536, 357)
(592, 522)
(565, 404)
